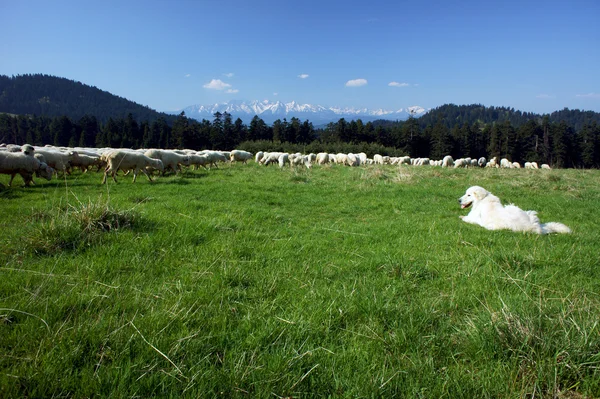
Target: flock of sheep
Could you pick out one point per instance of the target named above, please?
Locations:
(28, 160)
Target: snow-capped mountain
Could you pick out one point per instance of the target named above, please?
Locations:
(317, 114)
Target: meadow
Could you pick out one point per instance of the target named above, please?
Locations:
(250, 281)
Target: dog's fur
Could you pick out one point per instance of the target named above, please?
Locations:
(488, 211)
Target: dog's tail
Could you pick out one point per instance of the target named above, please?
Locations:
(547, 228)
(555, 227)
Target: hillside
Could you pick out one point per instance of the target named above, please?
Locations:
(45, 95)
(451, 115)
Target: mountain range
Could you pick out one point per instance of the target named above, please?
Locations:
(317, 114)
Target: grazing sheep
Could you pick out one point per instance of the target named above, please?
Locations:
(460, 163)
(546, 166)
(60, 161)
(404, 160)
(516, 165)
(283, 159)
(481, 162)
(83, 162)
(270, 157)
(240, 156)
(199, 160)
(505, 163)
(447, 161)
(259, 155)
(170, 159)
(130, 160)
(378, 159)
(353, 160)
(24, 164)
(531, 165)
(322, 158)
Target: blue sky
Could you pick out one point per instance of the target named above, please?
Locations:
(536, 56)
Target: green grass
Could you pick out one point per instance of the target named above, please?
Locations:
(252, 281)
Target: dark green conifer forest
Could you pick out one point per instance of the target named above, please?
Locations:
(41, 109)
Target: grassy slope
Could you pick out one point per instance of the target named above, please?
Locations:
(252, 282)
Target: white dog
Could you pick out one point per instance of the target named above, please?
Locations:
(489, 212)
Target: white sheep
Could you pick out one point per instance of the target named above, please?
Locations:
(24, 164)
(515, 165)
(405, 160)
(240, 156)
(447, 161)
(270, 157)
(170, 159)
(481, 162)
(505, 163)
(322, 158)
(199, 160)
(546, 166)
(58, 160)
(130, 160)
(259, 155)
(283, 159)
(378, 159)
(460, 163)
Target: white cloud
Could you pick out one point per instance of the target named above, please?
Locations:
(217, 84)
(231, 91)
(396, 84)
(356, 82)
(545, 96)
(187, 75)
(303, 76)
(589, 95)
(229, 75)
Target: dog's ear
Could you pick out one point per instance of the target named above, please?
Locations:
(480, 193)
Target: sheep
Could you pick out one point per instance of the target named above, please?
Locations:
(460, 163)
(481, 162)
(170, 159)
(240, 156)
(283, 159)
(505, 163)
(126, 160)
(353, 159)
(341, 158)
(259, 155)
(447, 161)
(332, 158)
(378, 159)
(474, 163)
(83, 162)
(322, 158)
(404, 160)
(515, 165)
(531, 165)
(546, 166)
(270, 157)
(60, 161)
(25, 164)
(215, 156)
(493, 163)
(199, 160)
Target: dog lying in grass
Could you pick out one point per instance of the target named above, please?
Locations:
(487, 211)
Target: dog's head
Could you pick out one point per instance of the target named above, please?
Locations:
(472, 195)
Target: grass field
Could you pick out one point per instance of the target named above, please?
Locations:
(252, 281)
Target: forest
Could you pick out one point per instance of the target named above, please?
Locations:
(41, 109)
(555, 143)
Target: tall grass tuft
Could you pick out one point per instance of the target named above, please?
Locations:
(75, 227)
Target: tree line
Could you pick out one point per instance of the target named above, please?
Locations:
(542, 141)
